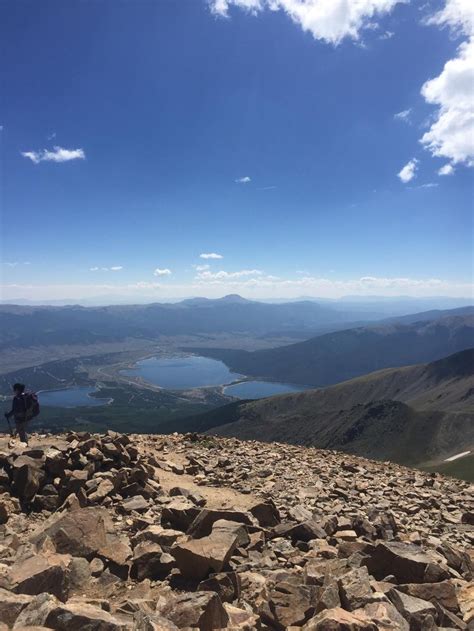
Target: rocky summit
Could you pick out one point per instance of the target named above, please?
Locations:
(124, 532)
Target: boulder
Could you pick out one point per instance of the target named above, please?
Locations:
(8, 506)
(136, 503)
(303, 531)
(466, 602)
(225, 584)
(443, 593)
(179, 514)
(240, 619)
(290, 604)
(81, 532)
(26, 481)
(41, 573)
(204, 521)
(36, 612)
(202, 610)
(198, 557)
(385, 616)
(420, 614)
(338, 619)
(149, 561)
(407, 562)
(157, 534)
(195, 497)
(355, 590)
(82, 617)
(11, 605)
(266, 513)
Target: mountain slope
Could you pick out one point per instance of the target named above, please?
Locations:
(411, 415)
(342, 355)
(192, 532)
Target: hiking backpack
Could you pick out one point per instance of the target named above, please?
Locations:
(32, 406)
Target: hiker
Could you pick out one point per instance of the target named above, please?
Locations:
(25, 406)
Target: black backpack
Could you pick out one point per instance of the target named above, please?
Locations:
(32, 406)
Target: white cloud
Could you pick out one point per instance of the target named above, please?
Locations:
(327, 20)
(404, 115)
(210, 255)
(451, 135)
(409, 171)
(387, 35)
(429, 185)
(446, 169)
(456, 14)
(162, 272)
(58, 154)
(201, 268)
(256, 287)
(114, 268)
(243, 180)
(222, 275)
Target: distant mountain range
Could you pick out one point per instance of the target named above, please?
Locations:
(412, 415)
(23, 326)
(337, 356)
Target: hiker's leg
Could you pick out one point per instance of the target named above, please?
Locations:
(21, 429)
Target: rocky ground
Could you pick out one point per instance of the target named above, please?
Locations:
(148, 533)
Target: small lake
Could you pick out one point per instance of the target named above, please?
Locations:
(77, 396)
(182, 373)
(260, 389)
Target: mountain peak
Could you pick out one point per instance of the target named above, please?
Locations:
(233, 298)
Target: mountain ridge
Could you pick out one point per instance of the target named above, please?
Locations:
(345, 354)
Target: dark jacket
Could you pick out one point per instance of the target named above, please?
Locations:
(18, 410)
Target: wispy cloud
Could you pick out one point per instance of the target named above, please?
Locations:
(16, 263)
(446, 169)
(327, 20)
(223, 275)
(162, 272)
(114, 268)
(243, 180)
(404, 115)
(408, 172)
(57, 154)
(210, 255)
(201, 268)
(429, 185)
(267, 188)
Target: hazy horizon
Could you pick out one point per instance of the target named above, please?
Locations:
(159, 150)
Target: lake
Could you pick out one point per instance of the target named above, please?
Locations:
(77, 396)
(182, 373)
(260, 389)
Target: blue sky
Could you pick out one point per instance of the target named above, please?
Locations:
(298, 142)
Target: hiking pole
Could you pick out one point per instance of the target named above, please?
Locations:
(9, 425)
